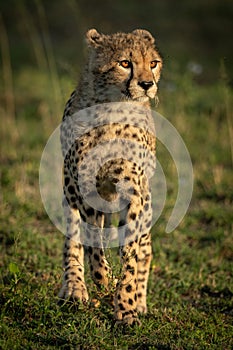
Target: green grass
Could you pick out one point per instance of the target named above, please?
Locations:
(190, 294)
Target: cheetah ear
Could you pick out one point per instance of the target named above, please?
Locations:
(145, 34)
(94, 38)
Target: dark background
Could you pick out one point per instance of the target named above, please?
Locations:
(190, 34)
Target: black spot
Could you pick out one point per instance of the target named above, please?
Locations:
(82, 216)
(148, 225)
(118, 171)
(67, 180)
(98, 276)
(132, 216)
(71, 189)
(130, 269)
(78, 246)
(90, 212)
(100, 133)
(130, 301)
(80, 200)
(115, 180)
(129, 288)
(101, 252)
(133, 253)
(124, 277)
(121, 307)
(126, 313)
(146, 206)
(140, 280)
(96, 257)
(122, 223)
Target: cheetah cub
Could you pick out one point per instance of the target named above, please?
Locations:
(118, 82)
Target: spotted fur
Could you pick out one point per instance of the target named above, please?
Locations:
(120, 68)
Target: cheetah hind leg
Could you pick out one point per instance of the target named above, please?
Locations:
(73, 287)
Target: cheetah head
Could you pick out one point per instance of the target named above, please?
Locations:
(124, 66)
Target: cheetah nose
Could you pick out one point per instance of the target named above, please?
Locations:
(145, 84)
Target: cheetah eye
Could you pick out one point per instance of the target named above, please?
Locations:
(125, 64)
(153, 64)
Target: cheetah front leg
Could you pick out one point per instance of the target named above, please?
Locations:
(144, 260)
(73, 286)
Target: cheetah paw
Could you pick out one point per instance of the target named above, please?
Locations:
(74, 292)
(128, 321)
